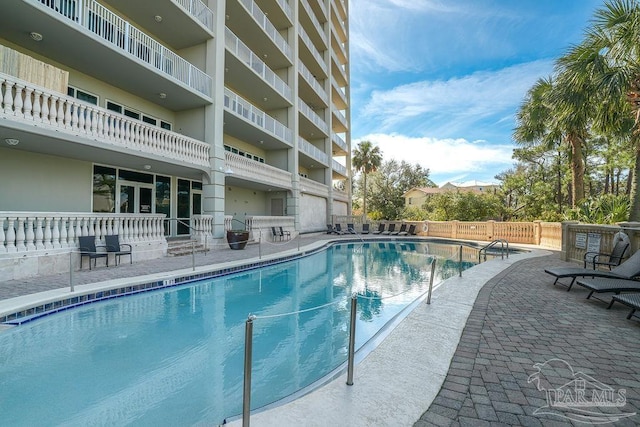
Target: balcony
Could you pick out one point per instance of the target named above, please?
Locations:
(83, 131)
(272, 134)
(247, 172)
(315, 124)
(339, 49)
(338, 71)
(339, 124)
(278, 11)
(310, 186)
(339, 26)
(195, 20)
(111, 50)
(338, 96)
(311, 56)
(341, 7)
(339, 142)
(309, 20)
(339, 169)
(319, 9)
(246, 70)
(313, 153)
(315, 92)
(247, 19)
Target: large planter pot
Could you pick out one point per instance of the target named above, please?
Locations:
(237, 239)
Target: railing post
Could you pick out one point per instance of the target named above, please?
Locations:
(460, 262)
(352, 339)
(433, 273)
(71, 269)
(248, 352)
(193, 255)
(260, 245)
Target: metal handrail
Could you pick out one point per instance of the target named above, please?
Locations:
(491, 245)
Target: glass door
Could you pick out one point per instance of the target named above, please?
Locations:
(135, 198)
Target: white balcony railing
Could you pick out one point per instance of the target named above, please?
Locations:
(244, 108)
(339, 90)
(341, 118)
(246, 55)
(313, 116)
(120, 33)
(286, 8)
(268, 27)
(314, 20)
(199, 10)
(26, 102)
(310, 78)
(312, 48)
(312, 151)
(42, 231)
(338, 141)
(256, 171)
(342, 170)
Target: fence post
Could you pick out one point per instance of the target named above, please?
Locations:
(433, 273)
(71, 269)
(248, 352)
(352, 339)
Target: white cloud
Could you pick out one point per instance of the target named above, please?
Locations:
(443, 107)
(446, 159)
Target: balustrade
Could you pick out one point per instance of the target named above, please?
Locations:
(256, 171)
(42, 231)
(24, 101)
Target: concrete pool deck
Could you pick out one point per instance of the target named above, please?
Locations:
(465, 359)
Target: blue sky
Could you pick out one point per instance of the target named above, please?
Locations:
(438, 82)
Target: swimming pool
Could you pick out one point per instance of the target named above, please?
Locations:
(174, 356)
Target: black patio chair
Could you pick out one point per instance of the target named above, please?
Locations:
(275, 234)
(380, 229)
(118, 249)
(611, 259)
(88, 248)
(365, 228)
(351, 228)
(284, 233)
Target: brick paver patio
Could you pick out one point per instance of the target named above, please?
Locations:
(520, 319)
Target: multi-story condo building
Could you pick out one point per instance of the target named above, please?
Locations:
(160, 118)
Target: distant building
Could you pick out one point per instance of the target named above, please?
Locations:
(417, 196)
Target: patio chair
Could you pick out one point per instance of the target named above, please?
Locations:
(392, 228)
(338, 229)
(628, 269)
(402, 231)
(612, 259)
(88, 248)
(351, 229)
(630, 300)
(365, 228)
(412, 230)
(380, 229)
(275, 234)
(331, 229)
(118, 249)
(284, 233)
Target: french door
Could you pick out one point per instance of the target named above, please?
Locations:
(135, 197)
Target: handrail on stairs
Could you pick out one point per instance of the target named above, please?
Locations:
(485, 248)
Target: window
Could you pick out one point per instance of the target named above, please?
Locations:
(104, 189)
(243, 153)
(82, 95)
(121, 109)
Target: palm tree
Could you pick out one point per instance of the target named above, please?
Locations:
(366, 159)
(608, 60)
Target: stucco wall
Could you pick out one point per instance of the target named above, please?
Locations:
(37, 182)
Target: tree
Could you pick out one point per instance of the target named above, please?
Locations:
(608, 60)
(390, 182)
(366, 159)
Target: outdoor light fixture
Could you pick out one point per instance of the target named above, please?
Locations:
(147, 167)
(162, 95)
(12, 141)
(158, 18)
(35, 36)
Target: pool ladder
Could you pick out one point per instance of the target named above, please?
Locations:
(491, 245)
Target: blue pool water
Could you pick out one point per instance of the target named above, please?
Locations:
(175, 356)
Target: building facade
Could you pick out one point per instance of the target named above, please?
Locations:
(161, 118)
